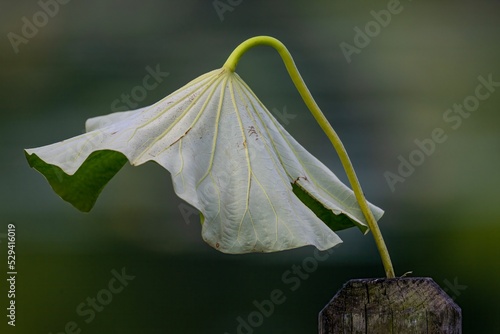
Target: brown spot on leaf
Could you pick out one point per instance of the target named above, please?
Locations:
(300, 177)
(252, 131)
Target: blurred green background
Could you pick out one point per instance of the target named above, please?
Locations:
(441, 222)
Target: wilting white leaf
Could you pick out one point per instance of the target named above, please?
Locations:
(256, 187)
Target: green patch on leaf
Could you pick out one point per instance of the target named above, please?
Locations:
(335, 221)
(82, 188)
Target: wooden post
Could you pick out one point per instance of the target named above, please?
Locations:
(397, 305)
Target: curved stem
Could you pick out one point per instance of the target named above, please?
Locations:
(230, 65)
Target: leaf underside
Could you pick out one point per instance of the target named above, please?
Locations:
(257, 189)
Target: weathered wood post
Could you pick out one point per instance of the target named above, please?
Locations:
(397, 305)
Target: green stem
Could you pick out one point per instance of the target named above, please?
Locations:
(230, 65)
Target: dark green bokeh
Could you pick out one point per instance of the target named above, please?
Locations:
(442, 221)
